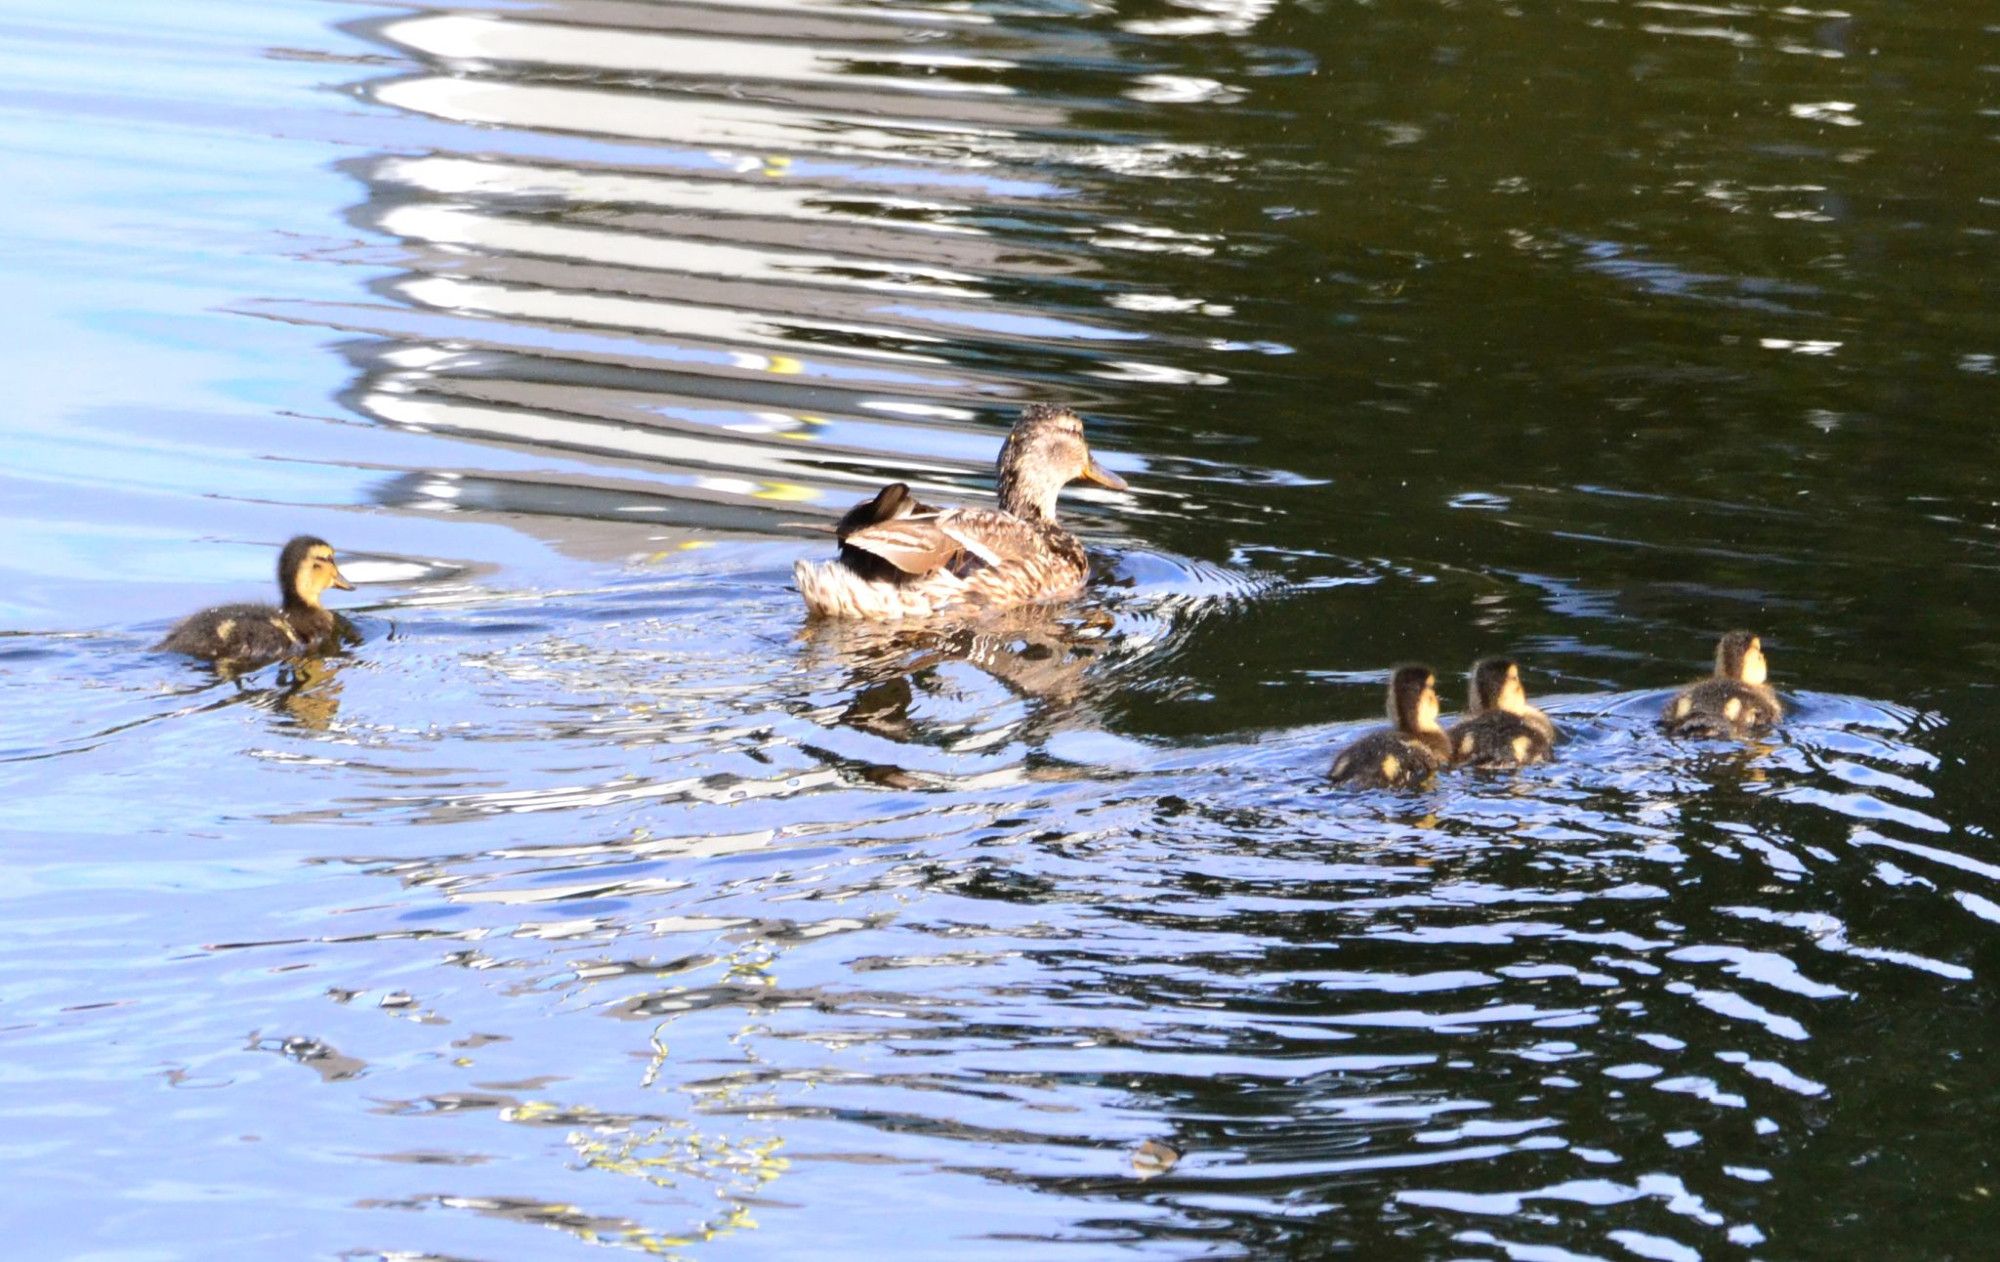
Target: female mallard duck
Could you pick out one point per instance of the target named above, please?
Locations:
(1407, 754)
(902, 559)
(245, 636)
(1500, 728)
(1734, 701)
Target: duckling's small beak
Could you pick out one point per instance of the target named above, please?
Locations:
(1095, 472)
(340, 580)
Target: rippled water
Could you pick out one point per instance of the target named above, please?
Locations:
(597, 901)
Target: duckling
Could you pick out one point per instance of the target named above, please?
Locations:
(1407, 754)
(246, 636)
(1500, 728)
(1734, 701)
(954, 559)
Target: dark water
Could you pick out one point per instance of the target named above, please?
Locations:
(596, 902)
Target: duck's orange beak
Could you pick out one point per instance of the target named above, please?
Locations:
(339, 579)
(1095, 472)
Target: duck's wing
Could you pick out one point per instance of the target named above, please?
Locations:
(888, 504)
(923, 543)
(994, 537)
(914, 545)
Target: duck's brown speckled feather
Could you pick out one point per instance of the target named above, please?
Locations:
(955, 558)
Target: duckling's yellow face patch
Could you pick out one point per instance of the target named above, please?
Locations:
(318, 572)
(1513, 697)
(1755, 669)
(1427, 706)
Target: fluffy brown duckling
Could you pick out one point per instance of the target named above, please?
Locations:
(1406, 754)
(246, 636)
(1500, 728)
(1734, 701)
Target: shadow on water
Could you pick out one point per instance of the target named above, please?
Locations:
(599, 900)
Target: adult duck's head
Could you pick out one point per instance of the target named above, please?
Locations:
(1045, 453)
(306, 569)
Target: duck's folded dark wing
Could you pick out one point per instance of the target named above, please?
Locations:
(888, 504)
(921, 544)
(914, 545)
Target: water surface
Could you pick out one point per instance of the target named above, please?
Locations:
(597, 902)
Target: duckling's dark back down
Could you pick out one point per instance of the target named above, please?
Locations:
(251, 634)
(1723, 709)
(1386, 759)
(1501, 738)
(230, 631)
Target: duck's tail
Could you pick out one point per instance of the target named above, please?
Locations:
(832, 590)
(813, 587)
